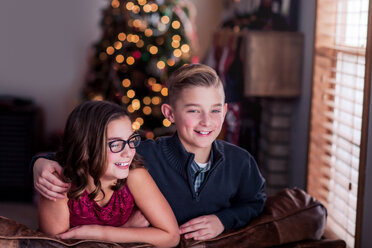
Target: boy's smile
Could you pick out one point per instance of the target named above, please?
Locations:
(199, 115)
(203, 133)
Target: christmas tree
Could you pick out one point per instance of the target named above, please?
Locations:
(142, 43)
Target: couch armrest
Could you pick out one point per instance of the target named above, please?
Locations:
(16, 235)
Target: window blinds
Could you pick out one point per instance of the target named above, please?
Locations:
(337, 111)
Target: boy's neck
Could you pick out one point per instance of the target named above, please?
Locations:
(201, 159)
(201, 155)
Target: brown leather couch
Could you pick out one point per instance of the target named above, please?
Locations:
(290, 218)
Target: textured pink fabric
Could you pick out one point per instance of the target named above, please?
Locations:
(84, 211)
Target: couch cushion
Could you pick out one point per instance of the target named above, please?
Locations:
(288, 217)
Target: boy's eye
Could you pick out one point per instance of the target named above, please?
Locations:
(216, 111)
(192, 111)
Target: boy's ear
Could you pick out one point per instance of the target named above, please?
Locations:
(168, 112)
(224, 110)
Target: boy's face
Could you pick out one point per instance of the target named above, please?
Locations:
(198, 114)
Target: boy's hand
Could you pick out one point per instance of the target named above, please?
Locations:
(137, 219)
(47, 181)
(202, 228)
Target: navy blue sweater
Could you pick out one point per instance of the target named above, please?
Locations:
(233, 189)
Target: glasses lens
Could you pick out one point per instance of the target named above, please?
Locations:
(134, 141)
(117, 146)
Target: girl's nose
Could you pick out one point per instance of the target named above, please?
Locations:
(127, 151)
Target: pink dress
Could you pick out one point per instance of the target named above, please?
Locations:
(84, 211)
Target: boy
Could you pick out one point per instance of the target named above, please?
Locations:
(210, 184)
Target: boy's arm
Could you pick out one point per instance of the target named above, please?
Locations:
(249, 200)
(45, 181)
(48, 156)
(247, 204)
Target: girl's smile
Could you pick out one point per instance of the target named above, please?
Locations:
(118, 162)
(122, 165)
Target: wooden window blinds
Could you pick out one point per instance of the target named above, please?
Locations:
(338, 97)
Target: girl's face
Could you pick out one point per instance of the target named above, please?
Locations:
(118, 163)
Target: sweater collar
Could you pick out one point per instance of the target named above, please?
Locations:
(180, 159)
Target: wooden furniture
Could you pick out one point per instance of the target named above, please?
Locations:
(272, 61)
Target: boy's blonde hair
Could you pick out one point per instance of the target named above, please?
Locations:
(190, 75)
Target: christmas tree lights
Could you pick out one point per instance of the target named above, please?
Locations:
(142, 43)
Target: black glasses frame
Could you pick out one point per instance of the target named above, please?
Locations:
(132, 143)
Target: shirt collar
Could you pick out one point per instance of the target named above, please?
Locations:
(179, 158)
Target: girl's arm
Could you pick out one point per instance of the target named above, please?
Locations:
(54, 216)
(163, 231)
(148, 198)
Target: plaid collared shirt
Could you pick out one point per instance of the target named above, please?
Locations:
(198, 174)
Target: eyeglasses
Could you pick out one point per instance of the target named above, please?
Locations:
(119, 145)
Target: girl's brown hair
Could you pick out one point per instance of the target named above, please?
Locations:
(84, 146)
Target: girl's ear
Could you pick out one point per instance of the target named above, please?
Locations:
(168, 112)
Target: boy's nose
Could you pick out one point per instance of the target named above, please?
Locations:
(205, 120)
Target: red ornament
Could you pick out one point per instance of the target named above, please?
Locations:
(194, 59)
(137, 54)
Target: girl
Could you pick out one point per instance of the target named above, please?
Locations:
(97, 154)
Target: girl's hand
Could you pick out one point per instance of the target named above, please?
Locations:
(202, 228)
(47, 181)
(82, 232)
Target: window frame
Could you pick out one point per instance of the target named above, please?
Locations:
(364, 129)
